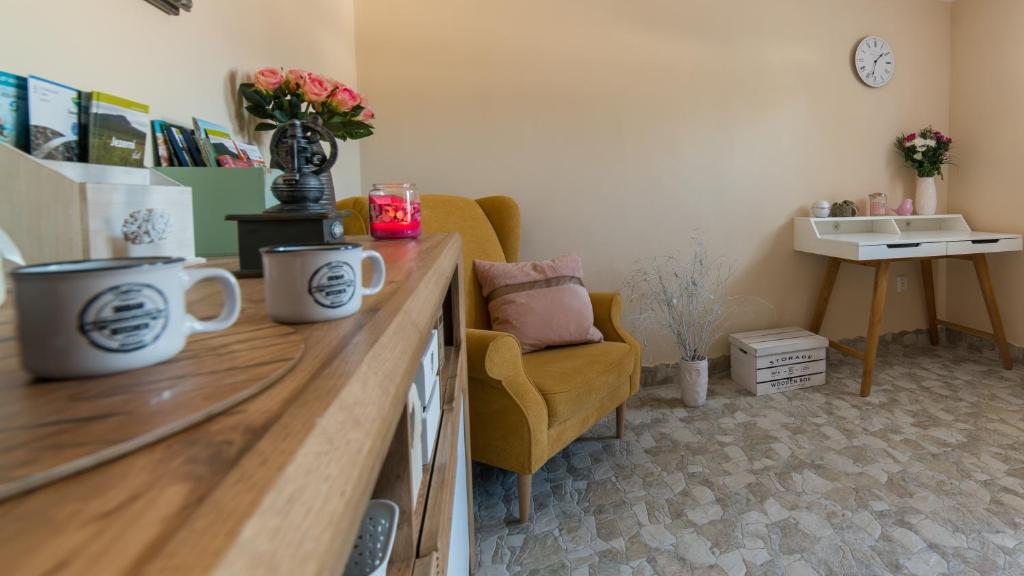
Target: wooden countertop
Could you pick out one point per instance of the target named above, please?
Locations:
(276, 485)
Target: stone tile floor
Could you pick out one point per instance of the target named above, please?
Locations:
(924, 477)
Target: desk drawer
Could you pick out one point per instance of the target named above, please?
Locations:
(902, 250)
(984, 246)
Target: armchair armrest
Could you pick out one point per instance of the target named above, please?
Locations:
(508, 416)
(607, 316)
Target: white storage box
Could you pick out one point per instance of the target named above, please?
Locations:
(426, 374)
(439, 328)
(776, 360)
(431, 423)
(415, 410)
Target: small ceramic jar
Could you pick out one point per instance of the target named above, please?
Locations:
(820, 208)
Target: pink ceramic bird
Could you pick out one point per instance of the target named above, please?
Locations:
(906, 208)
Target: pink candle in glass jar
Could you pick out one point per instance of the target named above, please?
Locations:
(394, 211)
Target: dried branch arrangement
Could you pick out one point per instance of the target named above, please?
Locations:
(685, 297)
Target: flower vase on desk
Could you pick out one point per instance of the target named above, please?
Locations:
(926, 151)
(926, 198)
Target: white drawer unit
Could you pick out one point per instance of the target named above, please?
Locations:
(896, 250)
(895, 237)
(984, 246)
(778, 359)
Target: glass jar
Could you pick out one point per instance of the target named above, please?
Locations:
(878, 204)
(394, 211)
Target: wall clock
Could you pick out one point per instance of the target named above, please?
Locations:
(874, 61)
(172, 7)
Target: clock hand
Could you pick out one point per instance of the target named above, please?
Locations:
(874, 66)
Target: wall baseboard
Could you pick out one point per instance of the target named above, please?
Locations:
(668, 372)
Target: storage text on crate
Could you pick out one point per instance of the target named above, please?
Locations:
(789, 358)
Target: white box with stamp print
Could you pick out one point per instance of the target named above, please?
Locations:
(777, 360)
(58, 211)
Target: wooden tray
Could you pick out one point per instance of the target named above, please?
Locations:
(52, 429)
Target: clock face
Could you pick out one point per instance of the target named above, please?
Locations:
(874, 61)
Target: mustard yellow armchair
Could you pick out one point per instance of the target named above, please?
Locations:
(524, 408)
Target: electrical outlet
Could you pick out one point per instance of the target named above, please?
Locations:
(901, 283)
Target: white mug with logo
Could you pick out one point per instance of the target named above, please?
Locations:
(317, 282)
(96, 317)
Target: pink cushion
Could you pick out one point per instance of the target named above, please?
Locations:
(541, 303)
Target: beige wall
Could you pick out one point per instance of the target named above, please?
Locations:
(181, 66)
(621, 127)
(987, 100)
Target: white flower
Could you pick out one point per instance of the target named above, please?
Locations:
(929, 143)
(921, 148)
(918, 156)
(920, 143)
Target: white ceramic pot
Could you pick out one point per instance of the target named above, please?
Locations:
(820, 209)
(694, 382)
(926, 199)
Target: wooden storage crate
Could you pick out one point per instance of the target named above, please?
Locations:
(57, 211)
(776, 360)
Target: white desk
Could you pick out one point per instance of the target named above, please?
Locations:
(875, 241)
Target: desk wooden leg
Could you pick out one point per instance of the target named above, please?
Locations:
(929, 300)
(998, 334)
(831, 271)
(874, 325)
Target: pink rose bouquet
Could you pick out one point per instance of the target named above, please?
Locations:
(276, 96)
(926, 151)
(268, 79)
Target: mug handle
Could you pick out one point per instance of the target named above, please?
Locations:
(378, 272)
(232, 300)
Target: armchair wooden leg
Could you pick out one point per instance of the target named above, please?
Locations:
(525, 485)
(620, 421)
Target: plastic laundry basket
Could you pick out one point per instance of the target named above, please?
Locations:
(372, 547)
